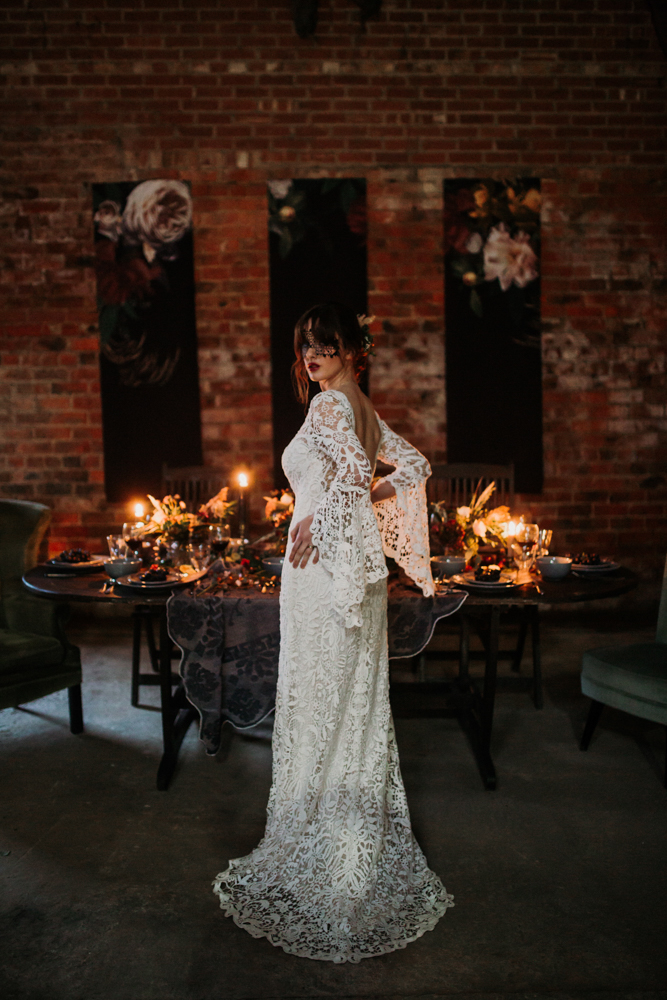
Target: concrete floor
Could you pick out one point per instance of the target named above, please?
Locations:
(560, 876)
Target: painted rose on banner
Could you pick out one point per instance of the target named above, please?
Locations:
(137, 229)
(148, 338)
(157, 216)
(492, 234)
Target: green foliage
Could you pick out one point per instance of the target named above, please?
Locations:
(290, 217)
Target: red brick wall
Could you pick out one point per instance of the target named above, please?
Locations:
(227, 97)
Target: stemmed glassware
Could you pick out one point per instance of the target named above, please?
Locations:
(131, 535)
(219, 539)
(199, 554)
(544, 541)
(135, 540)
(524, 549)
(117, 546)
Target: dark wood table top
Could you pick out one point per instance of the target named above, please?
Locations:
(47, 581)
(571, 590)
(42, 580)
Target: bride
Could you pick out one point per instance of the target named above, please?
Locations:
(338, 875)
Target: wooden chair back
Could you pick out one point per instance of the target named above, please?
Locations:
(456, 483)
(195, 484)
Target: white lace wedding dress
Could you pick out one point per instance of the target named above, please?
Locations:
(338, 875)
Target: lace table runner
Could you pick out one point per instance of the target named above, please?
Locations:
(230, 649)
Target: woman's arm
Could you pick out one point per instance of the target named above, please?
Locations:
(410, 467)
(336, 528)
(402, 514)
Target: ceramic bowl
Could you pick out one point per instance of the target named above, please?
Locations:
(121, 567)
(273, 565)
(553, 567)
(447, 565)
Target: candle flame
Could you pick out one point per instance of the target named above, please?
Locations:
(138, 510)
(243, 480)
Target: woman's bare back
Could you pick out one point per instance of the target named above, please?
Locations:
(365, 422)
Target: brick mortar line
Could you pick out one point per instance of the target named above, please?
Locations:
(306, 67)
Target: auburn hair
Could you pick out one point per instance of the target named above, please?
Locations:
(332, 324)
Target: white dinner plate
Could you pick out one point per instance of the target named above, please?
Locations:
(174, 579)
(603, 567)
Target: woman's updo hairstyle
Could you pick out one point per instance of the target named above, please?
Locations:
(332, 324)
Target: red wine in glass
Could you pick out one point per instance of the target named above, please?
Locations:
(219, 546)
(134, 544)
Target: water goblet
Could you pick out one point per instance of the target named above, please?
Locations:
(199, 554)
(544, 541)
(117, 546)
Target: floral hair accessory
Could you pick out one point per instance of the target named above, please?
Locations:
(367, 341)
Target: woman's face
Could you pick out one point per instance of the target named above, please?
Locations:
(321, 364)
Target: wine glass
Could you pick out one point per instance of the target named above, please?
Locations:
(524, 548)
(133, 539)
(218, 539)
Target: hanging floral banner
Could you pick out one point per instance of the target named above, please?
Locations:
(492, 324)
(317, 253)
(148, 340)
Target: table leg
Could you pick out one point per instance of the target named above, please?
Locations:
(176, 715)
(150, 642)
(136, 657)
(477, 722)
(489, 696)
(537, 658)
(464, 646)
(520, 643)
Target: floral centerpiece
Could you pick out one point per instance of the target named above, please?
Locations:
(279, 510)
(465, 529)
(171, 520)
(217, 509)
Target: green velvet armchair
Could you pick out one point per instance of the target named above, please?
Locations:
(36, 658)
(632, 678)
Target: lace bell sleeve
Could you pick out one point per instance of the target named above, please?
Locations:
(403, 519)
(337, 526)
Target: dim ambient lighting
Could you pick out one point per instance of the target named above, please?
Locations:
(138, 511)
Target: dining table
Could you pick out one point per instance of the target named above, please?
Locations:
(229, 643)
(177, 713)
(229, 673)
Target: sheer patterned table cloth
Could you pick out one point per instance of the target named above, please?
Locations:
(230, 644)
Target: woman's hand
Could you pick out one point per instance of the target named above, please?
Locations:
(383, 491)
(302, 547)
